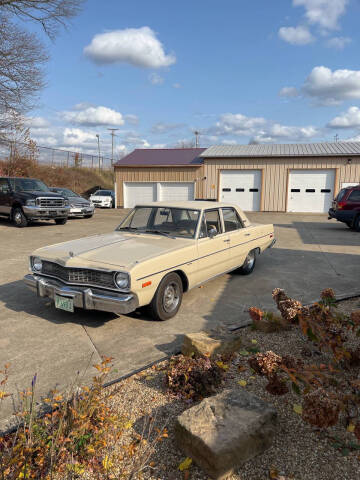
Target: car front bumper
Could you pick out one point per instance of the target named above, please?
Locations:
(83, 297)
(81, 211)
(39, 213)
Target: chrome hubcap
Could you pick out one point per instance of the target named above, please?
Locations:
(171, 297)
(249, 261)
(17, 217)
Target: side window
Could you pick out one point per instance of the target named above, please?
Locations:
(354, 196)
(211, 220)
(4, 186)
(231, 220)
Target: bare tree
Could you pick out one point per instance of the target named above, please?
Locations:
(22, 56)
(51, 14)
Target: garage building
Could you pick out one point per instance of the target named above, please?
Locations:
(277, 178)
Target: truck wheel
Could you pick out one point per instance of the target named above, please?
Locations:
(249, 264)
(356, 224)
(19, 218)
(349, 224)
(167, 299)
(60, 221)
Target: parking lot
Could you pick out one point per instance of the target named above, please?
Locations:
(311, 253)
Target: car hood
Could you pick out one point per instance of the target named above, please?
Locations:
(111, 250)
(101, 197)
(37, 193)
(78, 200)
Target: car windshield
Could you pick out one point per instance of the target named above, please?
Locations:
(28, 185)
(65, 192)
(103, 193)
(169, 221)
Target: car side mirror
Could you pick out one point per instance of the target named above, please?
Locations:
(212, 232)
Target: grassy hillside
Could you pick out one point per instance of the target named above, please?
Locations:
(77, 179)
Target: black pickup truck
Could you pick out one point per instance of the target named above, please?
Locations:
(24, 200)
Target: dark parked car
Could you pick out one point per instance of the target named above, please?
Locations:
(79, 206)
(24, 200)
(346, 207)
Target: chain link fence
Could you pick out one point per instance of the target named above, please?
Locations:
(54, 156)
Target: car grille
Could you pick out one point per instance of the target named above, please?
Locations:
(83, 276)
(81, 205)
(50, 202)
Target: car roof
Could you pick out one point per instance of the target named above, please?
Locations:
(195, 205)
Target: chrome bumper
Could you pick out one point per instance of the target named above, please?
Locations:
(83, 297)
(45, 212)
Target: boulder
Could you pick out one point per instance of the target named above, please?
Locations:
(222, 432)
(214, 343)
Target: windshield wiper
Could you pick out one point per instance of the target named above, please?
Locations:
(132, 229)
(158, 232)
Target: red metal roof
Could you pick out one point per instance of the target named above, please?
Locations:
(162, 156)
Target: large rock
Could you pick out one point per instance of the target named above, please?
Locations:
(215, 343)
(224, 431)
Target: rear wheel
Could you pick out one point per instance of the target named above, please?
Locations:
(60, 221)
(249, 264)
(167, 299)
(349, 224)
(356, 224)
(19, 218)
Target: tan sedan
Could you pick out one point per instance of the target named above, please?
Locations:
(158, 252)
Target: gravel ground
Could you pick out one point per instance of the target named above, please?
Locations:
(299, 451)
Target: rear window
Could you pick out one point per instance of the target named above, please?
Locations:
(340, 195)
(354, 196)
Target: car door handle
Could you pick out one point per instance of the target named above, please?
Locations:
(226, 241)
(247, 234)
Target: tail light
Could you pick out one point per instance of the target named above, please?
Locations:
(341, 205)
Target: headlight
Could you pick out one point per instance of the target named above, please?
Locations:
(66, 202)
(122, 280)
(37, 264)
(30, 203)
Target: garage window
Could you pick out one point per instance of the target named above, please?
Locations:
(310, 190)
(226, 189)
(295, 190)
(240, 189)
(253, 190)
(325, 190)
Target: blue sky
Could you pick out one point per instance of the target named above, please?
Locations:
(277, 71)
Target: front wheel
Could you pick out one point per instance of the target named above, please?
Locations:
(356, 224)
(249, 264)
(60, 221)
(167, 299)
(19, 218)
(87, 216)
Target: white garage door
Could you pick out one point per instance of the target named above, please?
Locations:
(310, 190)
(242, 187)
(174, 191)
(139, 192)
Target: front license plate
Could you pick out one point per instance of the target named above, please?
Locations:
(64, 303)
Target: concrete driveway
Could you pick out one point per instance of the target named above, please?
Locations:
(311, 253)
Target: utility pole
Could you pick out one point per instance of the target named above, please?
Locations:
(98, 139)
(336, 138)
(112, 130)
(197, 134)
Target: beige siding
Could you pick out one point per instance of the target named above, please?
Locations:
(275, 175)
(159, 174)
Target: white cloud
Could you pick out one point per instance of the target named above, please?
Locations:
(137, 46)
(329, 87)
(296, 35)
(132, 119)
(289, 92)
(162, 127)
(235, 124)
(75, 137)
(348, 119)
(325, 13)
(177, 85)
(93, 116)
(339, 43)
(36, 122)
(156, 79)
